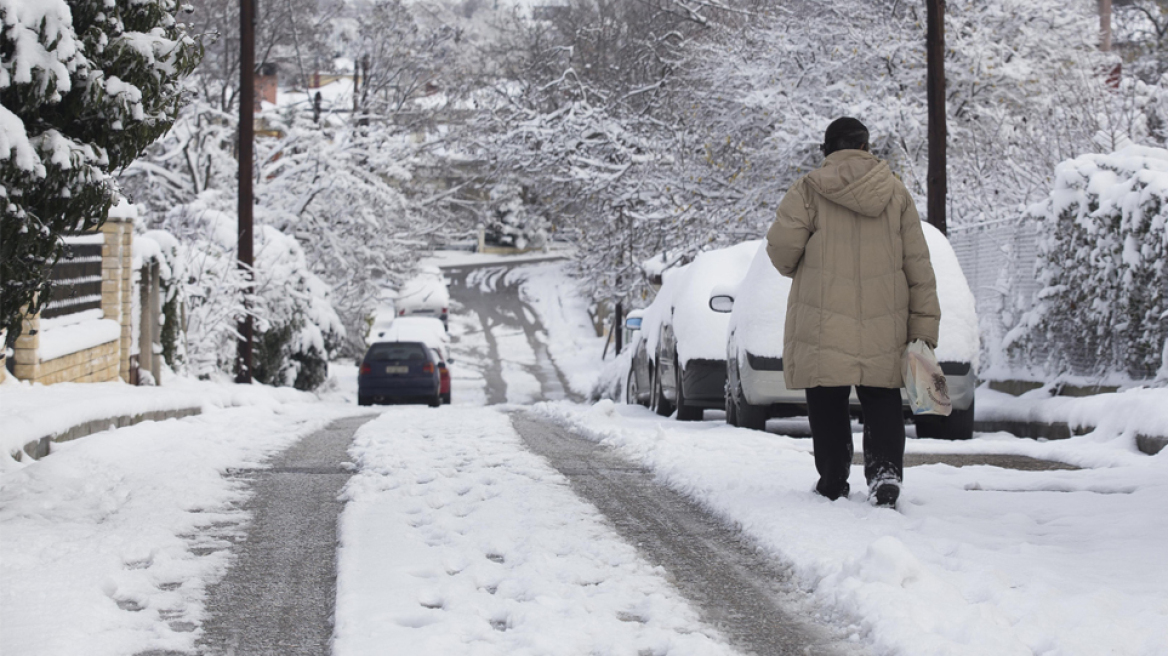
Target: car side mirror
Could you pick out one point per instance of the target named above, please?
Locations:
(450, 360)
(722, 303)
(633, 323)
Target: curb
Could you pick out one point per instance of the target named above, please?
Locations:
(40, 448)
(1060, 430)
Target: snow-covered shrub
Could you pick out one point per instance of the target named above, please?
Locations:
(1103, 263)
(296, 327)
(510, 223)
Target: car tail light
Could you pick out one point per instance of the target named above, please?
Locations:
(366, 369)
(443, 310)
(428, 368)
(401, 313)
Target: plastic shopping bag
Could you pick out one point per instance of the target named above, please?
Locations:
(928, 392)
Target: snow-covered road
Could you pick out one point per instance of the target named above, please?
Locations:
(456, 538)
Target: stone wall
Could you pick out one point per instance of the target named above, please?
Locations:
(105, 362)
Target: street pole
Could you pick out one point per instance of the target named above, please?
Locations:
(935, 48)
(1105, 25)
(247, 11)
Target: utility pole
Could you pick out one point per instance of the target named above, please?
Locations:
(937, 176)
(618, 322)
(1105, 25)
(247, 11)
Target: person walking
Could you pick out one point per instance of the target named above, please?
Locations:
(849, 235)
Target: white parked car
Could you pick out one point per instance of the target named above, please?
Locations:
(679, 361)
(757, 307)
(427, 330)
(425, 295)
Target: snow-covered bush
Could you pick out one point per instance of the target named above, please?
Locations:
(296, 327)
(86, 86)
(1103, 263)
(510, 223)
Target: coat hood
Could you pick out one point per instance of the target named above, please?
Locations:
(855, 179)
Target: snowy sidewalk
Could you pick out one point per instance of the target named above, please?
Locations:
(31, 412)
(456, 540)
(107, 546)
(979, 560)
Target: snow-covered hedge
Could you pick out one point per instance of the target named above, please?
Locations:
(297, 329)
(1102, 254)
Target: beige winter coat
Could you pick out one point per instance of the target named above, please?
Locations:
(849, 234)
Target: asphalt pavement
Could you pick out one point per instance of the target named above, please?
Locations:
(278, 597)
(746, 595)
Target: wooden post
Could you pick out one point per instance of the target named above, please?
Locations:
(247, 10)
(935, 47)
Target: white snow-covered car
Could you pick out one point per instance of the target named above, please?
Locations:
(679, 361)
(425, 295)
(757, 309)
(426, 330)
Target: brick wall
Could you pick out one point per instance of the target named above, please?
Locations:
(105, 362)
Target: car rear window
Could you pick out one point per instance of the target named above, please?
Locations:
(396, 351)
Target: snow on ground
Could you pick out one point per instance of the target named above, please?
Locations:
(979, 560)
(1118, 416)
(465, 258)
(29, 412)
(571, 337)
(457, 540)
(106, 545)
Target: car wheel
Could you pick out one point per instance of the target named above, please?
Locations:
(436, 401)
(364, 400)
(446, 398)
(731, 407)
(685, 412)
(750, 416)
(660, 404)
(957, 426)
(631, 388)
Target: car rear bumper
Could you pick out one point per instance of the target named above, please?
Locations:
(383, 391)
(769, 388)
(704, 383)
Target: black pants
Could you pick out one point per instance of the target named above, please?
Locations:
(831, 434)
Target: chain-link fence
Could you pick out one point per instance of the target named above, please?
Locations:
(999, 260)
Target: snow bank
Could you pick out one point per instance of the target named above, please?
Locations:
(29, 412)
(979, 561)
(457, 540)
(1115, 418)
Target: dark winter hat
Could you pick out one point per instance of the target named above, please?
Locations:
(844, 133)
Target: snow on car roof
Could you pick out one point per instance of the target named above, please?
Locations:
(760, 305)
(685, 296)
(427, 330)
